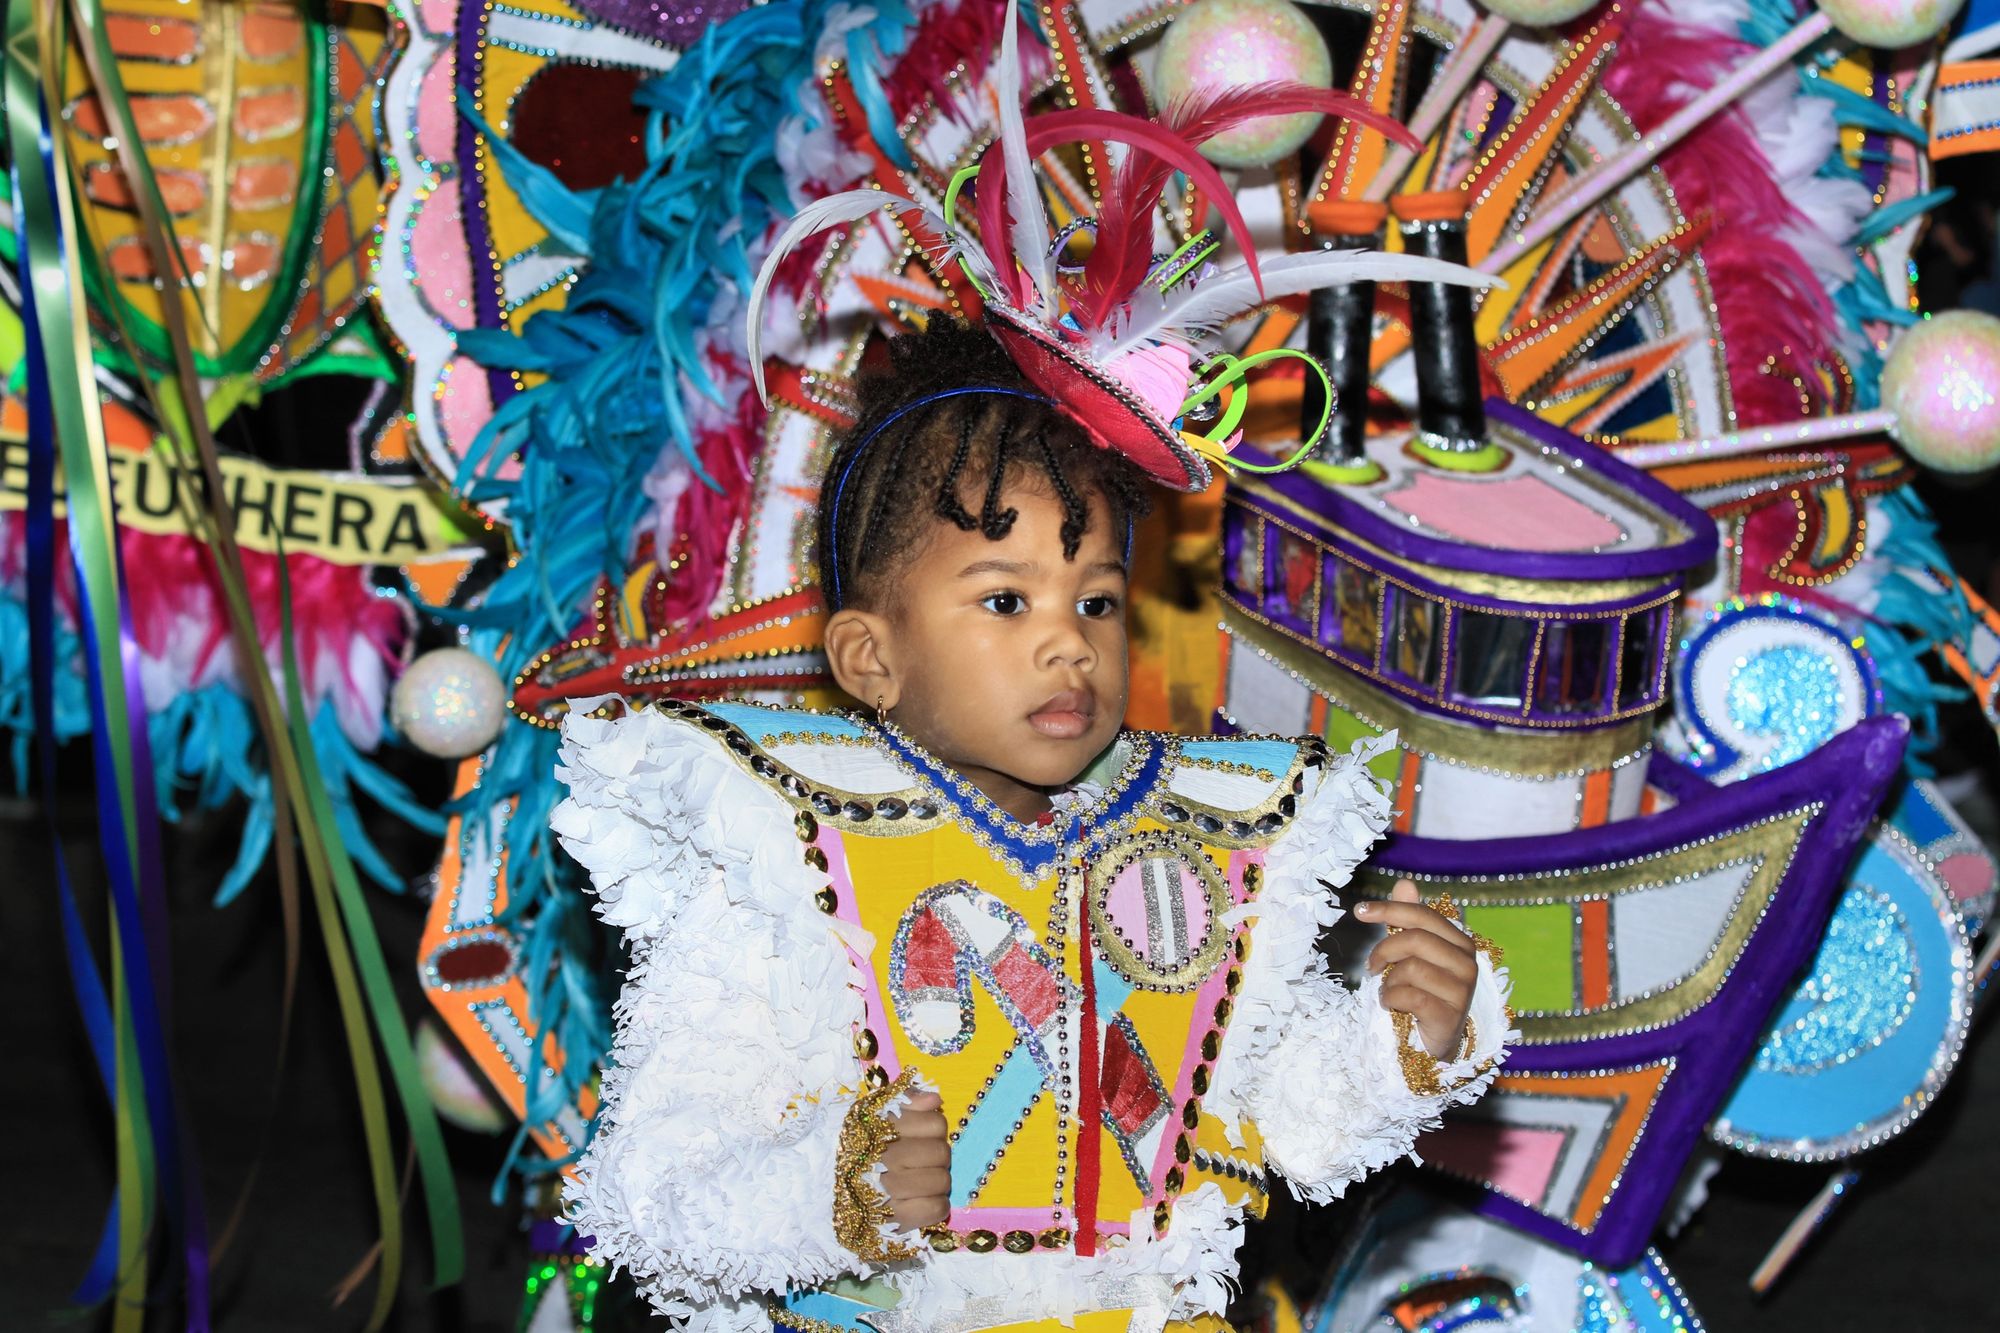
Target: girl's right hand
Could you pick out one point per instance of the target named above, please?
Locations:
(916, 1168)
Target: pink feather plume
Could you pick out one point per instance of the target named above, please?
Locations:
(1777, 321)
(347, 637)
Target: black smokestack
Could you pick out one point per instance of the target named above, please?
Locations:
(1340, 325)
(1450, 415)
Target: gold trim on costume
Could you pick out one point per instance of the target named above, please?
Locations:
(1767, 847)
(860, 1208)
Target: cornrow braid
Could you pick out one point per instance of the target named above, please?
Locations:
(947, 412)
(948, 502)
(992, 520)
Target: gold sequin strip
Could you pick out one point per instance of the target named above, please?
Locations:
(860, 1208)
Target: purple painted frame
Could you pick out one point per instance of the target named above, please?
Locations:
(1241, 507)
(1338, 512)
(486, 293)
(1849, 776)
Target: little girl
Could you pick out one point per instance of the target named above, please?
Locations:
(977, 962)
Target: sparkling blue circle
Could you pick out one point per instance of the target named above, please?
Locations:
(1789, 692)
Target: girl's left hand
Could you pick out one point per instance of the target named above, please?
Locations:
(1435, 966)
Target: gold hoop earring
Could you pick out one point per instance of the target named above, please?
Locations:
(881, 713)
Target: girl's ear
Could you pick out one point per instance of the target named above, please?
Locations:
(860, 652)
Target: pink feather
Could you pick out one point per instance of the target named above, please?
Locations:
(339, 622)
(1778, 324)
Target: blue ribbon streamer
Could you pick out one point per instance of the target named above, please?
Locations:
(140, 921)
(86, 983)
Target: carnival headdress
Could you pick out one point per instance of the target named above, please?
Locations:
(1115, 341)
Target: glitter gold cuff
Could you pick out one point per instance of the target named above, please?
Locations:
(860, 1207)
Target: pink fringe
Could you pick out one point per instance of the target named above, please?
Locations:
(946, 35)
(341, 626)
(706, 519)
(1770, 304)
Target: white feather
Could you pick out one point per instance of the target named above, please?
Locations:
(1216, 300)
(1024, 195)
(832, 211)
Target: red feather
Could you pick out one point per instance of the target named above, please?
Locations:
(1144, 136)
(1778, 324)
(1124, 250)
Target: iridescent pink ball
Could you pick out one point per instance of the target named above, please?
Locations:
(1226, 44)
(1539, 13)
(1891, 23)
(1943, 383)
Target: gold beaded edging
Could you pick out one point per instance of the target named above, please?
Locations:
(860, 1208)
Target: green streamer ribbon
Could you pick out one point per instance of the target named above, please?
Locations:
(354, 952)
(47, 219)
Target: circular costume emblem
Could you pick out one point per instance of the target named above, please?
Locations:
(1156, 908)
(1762, 683)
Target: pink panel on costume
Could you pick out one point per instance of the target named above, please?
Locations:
(438, 258)
(1125, 904)
(1522, 513)
(1516, 1160)
(1967, 874)
(849, 911)
(464, 405)
(437, 118)
(1008, 1219)
(440, 16)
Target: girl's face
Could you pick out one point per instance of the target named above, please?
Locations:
(1007, 661)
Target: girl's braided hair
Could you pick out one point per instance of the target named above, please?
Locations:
(890, 480)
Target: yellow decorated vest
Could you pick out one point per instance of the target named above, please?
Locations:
(994, 939)
(1124, 1009)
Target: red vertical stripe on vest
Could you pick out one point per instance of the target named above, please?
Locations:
(1090, 1129)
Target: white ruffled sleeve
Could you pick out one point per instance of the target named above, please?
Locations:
(1310, 1062)
(710, 1177)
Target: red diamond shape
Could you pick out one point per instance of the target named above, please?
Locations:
(1027, 983)
(1131, 1097)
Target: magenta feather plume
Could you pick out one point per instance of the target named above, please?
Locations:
(1778, 324)
(706, 518)
(926, 73)
(1141, 135)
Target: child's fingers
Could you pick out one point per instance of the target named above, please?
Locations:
(926, 1183)
(921, 1122)
(1432, 1012)
(915, 1214)
(1405, 892)
(1461, 963)
(922, 1101)
(1431, 979)
(916, 1154)
(1399, 915)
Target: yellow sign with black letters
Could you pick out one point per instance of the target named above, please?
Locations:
(341, 517)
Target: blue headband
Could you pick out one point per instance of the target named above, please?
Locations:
(840, 488)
